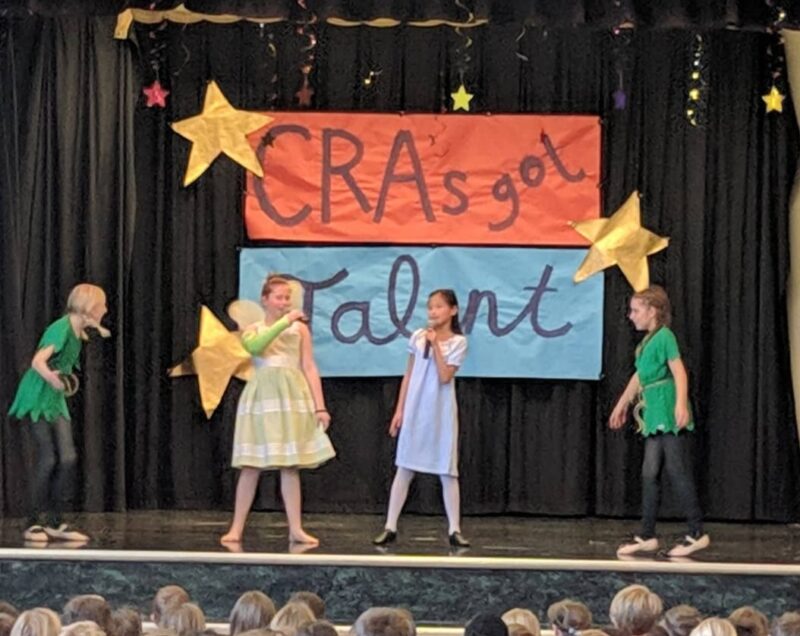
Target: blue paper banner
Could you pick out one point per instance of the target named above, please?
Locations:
(522, 314)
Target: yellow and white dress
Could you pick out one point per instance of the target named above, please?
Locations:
(276, 426)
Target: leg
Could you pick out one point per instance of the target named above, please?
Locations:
(397, 497)
(292, 501)
(452, 502)
(651, 483)
(245, 493)
(44, 463)
(64, 478)
(678, 457)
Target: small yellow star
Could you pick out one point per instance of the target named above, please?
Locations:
(620, 240)
(774, 100)
(220, 128)
(461, 98)
(219, 356)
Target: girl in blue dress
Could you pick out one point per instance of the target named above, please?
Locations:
(426, 418)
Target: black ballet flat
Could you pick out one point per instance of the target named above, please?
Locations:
(385, 538)
(458, 541)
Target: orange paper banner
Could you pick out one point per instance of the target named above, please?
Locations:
(439, 179)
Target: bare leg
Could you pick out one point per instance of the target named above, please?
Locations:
(245, 493)
(292, 501)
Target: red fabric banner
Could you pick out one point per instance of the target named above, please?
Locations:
(439, 179)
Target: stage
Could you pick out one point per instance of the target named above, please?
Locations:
(513, 561)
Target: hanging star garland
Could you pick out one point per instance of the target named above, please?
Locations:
(620, 240)
(156, 95)
(218, 357)
(220, 129)
(461, 98)
(774, 100)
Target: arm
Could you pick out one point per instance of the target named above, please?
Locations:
(681, 391)
(39, 364)
(312, 377)
(444, 370)
(255, 341)
(397, 418)
(620, 412)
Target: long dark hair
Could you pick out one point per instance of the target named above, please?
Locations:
(449, 297)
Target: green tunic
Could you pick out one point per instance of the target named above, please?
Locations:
(35, 398)
(658, 396)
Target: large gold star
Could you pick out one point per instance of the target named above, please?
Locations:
(219, 356)
(220, 128)
(774, 100)
(461, 98)
(620, 240)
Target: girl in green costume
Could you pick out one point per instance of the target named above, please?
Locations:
(41, 398)
(660, 388)
(281, 421)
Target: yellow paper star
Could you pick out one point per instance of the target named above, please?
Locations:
(461, 98)
(219, 356)
(220, 128)
(774, 100)
(620, 240)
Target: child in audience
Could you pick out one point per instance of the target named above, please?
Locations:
(524, 618)
(635, 610)
(291, 617)
(253, 610)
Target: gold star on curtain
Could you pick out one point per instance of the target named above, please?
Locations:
(774, 100)
(220, 128)
(461, 98)
(219, 356)
(620, 240)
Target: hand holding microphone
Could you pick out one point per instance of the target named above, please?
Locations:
(430, 336)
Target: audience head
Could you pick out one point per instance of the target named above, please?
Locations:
(680, 620)
(167, 597)
(6, 623)
(87, 607)
(635, 609)
(83, 628)
(568, 616)
(290, 617)
(787, 624)
(253, 610)
(127, 622)
(37, 622)
(523, 617)
(485, 624)
(317, 628)
(314, 602)
(714, 626)
(185, 620)
(8, 608)
(384, 621)
(748, 621)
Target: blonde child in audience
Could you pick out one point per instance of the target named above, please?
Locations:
(291, 617)
(253, 610)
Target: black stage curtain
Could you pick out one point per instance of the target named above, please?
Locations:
(91, 189)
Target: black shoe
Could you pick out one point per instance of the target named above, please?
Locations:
(458, 541)
(385, 538)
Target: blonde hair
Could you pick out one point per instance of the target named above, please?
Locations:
(714, 626)
(39, 621)
(186, 620)
(82, 299)
(568, 616)
(83, 628)
(635, 609)
(656, 297)
(523, 617)
(253, 610)
(748, 621)
(166, 598)
(680, 620)
(787, 624)
(290, 617)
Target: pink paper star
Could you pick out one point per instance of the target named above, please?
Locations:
(156, 95)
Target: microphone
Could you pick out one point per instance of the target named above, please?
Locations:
(427, 353)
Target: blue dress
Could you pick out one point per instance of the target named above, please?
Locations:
(428, 441)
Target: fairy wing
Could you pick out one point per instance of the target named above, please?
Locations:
(245, 312)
